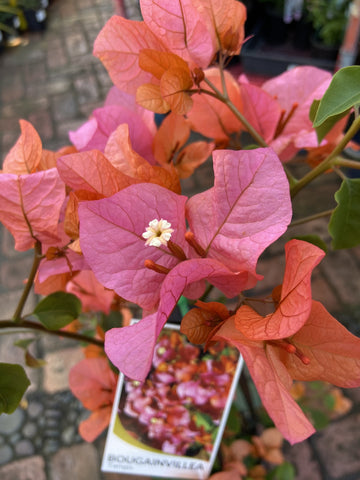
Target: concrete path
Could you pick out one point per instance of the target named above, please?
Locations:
(54, 81)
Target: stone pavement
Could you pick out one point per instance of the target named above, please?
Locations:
(54, 81)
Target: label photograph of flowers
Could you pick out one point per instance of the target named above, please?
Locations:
(175, 418)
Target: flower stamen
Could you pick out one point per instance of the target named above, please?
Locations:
(151, 265)
(290, 348)
(176, 250)
(190, 238)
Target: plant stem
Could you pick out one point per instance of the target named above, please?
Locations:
(29, 283)
(223, 97)
(310, 218)
(29, 325)
(329, 161)
(344, 162)
(206, 293)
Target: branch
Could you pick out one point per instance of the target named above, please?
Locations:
(329, 161)
(226, 100)
(29, 325)
(310, 218)
(29, 283)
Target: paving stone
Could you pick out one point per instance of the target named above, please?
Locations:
(56, 59)
(8, 244)
(15, 91)
(24, 108)
(87, 108)
(58, 85)
(67, 9)
(86, 88)
(76, 44)
(81, 4)
(80, 462)
(34, 409)
(11, 124)
(9, 301)
(6, 454)
(64, 106)
(24, 448)
(273, 270)
(63, 128)
(35, 90)
(353, 394)
(14, 438)
(13, 274)
(103, 77)
(336, 267)
(30, 430)
(84, 60)
(58, 365)
(11, 423)
(322, 292)
(42, 122)
(302, 457)
(338, 447)
(35, 73)
(8, 140)
(32, 468)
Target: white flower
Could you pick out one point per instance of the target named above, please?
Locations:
(158, 233)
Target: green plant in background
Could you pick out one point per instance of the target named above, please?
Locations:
(12, 14)
(277, 5)
(9, 11)
(329, 18)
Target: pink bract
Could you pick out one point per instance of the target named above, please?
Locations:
(295, 90)
(94, 297)
(233, 222)
(30, 206)
(95, 133)
(118, 263)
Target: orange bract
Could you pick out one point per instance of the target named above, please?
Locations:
(173, 86)
(149, 96)
(157, 63)
(169, 147)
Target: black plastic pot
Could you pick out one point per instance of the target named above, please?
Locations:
(320, 50)
(275, 30)
(36, 19)
(302, 33)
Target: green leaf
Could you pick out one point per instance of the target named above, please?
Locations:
(344, 225)
(324, 128)
(285, 471)
(314, 239)
(183, 305)
(33, 362)
(113, 320)
(314, 109)
(329, 401)
(58, 310)
(13, 384)
(30, 360)
(24, 343)
(342, 94)
(320, 419)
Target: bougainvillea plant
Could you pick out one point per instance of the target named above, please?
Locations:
(111, 230)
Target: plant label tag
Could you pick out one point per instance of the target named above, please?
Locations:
(171, 425)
